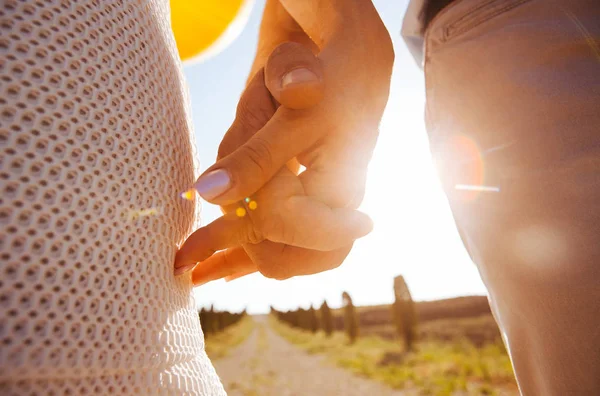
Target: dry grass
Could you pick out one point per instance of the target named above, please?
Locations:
(218, 345)
(480, 331)
(437, 367)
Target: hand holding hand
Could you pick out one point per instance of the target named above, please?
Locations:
(333, 140)
(287, 234)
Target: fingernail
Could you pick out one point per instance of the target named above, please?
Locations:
(297, 76)
(184, 269)
(213, 184)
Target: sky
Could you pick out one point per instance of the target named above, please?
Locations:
(414, 232)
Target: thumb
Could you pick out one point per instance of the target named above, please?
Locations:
(294, 76)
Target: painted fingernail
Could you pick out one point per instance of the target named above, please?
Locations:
(213, 184)
(298, 76)
(184, 269)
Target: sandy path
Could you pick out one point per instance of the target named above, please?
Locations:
(268, 365)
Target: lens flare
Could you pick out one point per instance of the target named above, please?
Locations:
(464, 165)
(137, 213)
(467, 187)
(188, 195)
(240, 212)
(252, 205)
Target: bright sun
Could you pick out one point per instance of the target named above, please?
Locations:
(414, 231)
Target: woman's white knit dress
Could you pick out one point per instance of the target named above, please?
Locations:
(94, 148)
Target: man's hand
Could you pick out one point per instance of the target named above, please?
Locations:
(334, 140)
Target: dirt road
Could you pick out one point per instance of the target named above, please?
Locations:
(265, 364)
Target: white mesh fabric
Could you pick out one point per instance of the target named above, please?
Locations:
(94, 149)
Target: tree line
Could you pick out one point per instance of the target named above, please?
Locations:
(213, 321)
(403, 315)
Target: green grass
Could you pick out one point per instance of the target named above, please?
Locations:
(435, 368)
(218, 345)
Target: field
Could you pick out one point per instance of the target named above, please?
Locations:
(480, 331)
(453, 319)
(445, 362)
(460, 349)
(459, 352)
(219, 345)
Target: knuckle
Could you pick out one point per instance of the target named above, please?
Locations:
(227, 260)
(254, 114)
(254, 235)
(250, 233)
(286, 50)
(258, 153)
(279, 264)
(275, 270)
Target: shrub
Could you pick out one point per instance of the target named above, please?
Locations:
(326, 319)
(350, 318)
(404, 313)
(313, 320)
(213, 322)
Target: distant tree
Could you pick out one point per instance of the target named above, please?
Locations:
(292, 318)
(204, 321)
(212, 321)
(326, 319)
(303, 319)
(350, 318)
(404, 313)
(313, 320)
(215, 326)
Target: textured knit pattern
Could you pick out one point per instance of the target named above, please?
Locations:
(95, 145)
